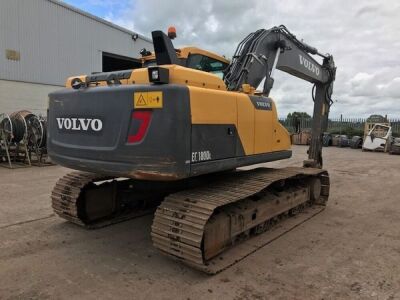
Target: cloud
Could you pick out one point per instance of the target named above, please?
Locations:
(361, 35)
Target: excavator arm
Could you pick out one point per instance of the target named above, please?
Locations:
(263, 51)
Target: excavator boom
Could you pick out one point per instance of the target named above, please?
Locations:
(263, 51)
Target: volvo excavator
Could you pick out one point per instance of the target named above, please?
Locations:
(171, 138)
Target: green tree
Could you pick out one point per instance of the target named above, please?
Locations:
(298, 115)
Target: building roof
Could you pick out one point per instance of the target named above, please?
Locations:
(93, 17)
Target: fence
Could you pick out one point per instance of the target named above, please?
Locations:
(350, 126)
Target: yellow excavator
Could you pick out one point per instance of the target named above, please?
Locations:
(171, 137)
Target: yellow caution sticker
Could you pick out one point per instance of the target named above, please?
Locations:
(148, 100)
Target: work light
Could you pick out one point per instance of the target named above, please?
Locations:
(158, 75)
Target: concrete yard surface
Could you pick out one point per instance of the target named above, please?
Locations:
(349, 251)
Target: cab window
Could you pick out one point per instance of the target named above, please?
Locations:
(206, 64)
(149, 63)
(153, 62)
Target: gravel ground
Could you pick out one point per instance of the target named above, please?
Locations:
(349, 251)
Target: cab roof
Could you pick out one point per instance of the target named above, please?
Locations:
(186, 51)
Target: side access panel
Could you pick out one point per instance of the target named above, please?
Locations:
(231, 131)
(214, 125)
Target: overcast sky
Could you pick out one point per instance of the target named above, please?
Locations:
(363, 37)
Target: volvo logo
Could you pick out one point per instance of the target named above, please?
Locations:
(84, 124)
(309, 65)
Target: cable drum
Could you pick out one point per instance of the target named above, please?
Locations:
(356, 142)
(327, 139)
(20, 127)
(12, 127)
(6, 128)
(36, 127)
(23, 125)
(43, 122)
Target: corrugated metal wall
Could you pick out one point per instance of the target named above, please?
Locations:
(56, 42)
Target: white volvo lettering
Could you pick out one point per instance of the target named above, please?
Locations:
(74, 127)
(309, 65)
(67, 123)
(96, 124)
(60, 122)
(83, 124)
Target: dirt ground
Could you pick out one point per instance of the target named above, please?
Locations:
(349, 251)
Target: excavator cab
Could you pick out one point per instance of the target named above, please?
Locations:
(194, 58)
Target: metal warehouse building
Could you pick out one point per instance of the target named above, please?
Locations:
(42, 42)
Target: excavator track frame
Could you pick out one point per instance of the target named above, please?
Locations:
(181, 221)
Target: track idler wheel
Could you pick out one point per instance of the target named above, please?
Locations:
(315, 190)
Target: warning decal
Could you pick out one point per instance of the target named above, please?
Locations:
(148, 100)
(141, 101)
